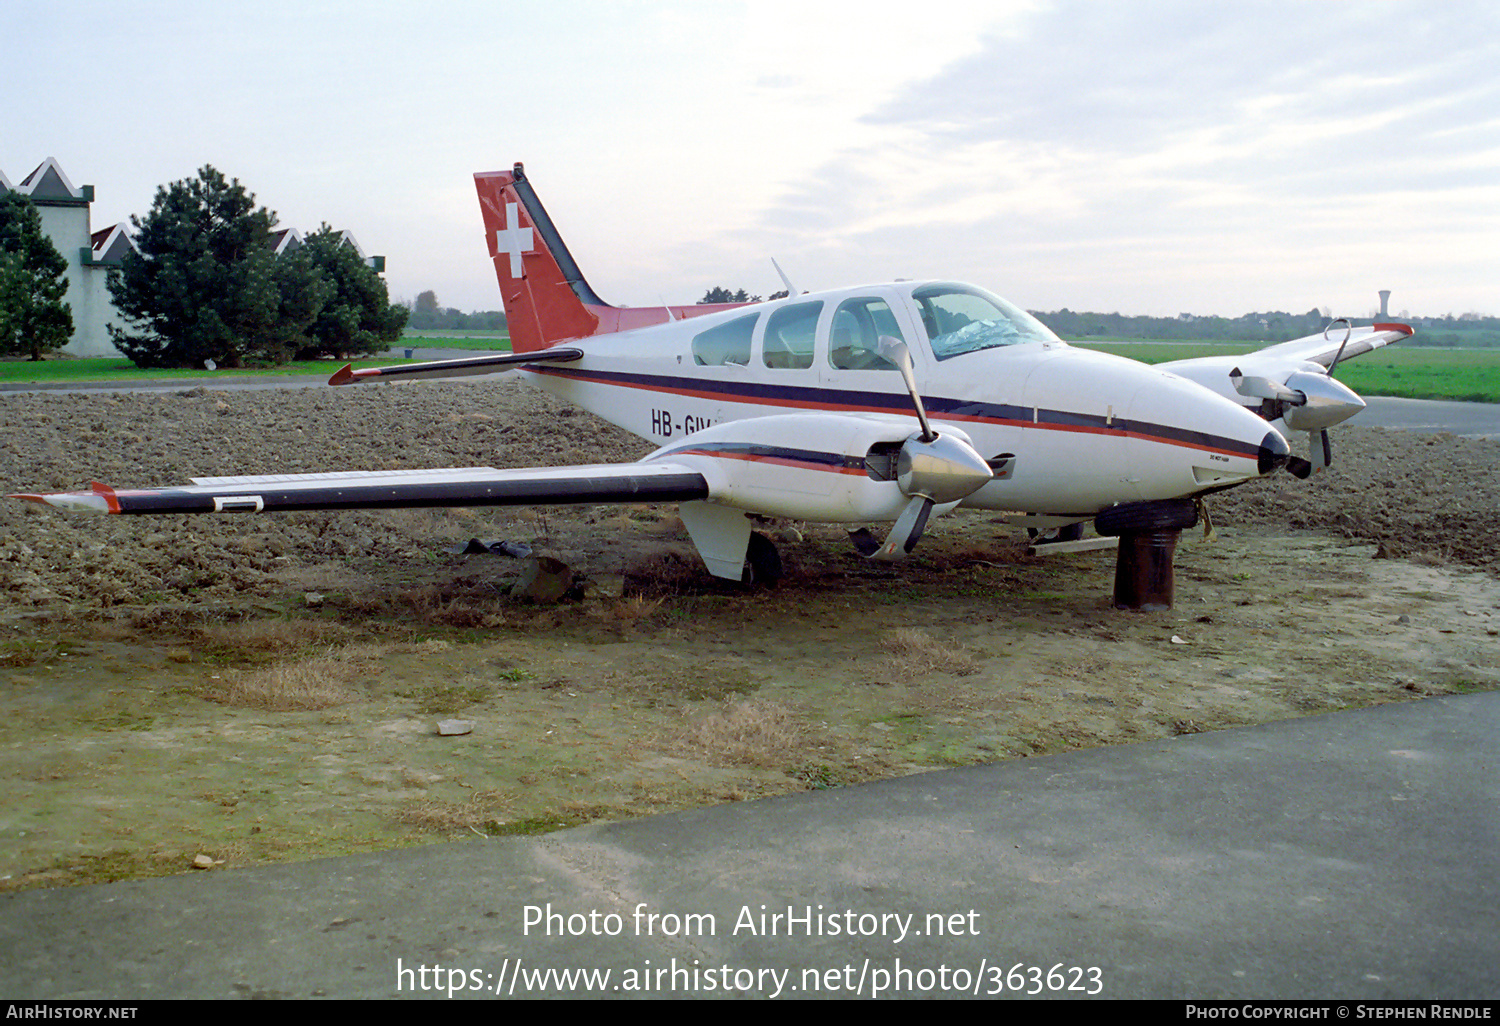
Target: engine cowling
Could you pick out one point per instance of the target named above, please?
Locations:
(835, 468)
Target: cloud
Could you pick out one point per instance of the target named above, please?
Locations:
(1169, 140)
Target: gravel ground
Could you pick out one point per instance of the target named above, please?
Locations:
(1435, 497)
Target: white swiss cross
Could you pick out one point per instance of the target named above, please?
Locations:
(514, 240)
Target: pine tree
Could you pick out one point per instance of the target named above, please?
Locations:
(33, 316)
(358, 317)
(206, 283)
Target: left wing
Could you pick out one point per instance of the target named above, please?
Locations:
(827, 467)
(394, 489)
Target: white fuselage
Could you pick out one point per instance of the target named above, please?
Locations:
(1070, 431)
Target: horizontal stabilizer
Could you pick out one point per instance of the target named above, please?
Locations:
(462, 367)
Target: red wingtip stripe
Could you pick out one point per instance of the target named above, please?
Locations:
(108, 494)
(1405, 329)
(343, 375)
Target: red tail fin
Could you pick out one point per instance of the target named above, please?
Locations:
(546, 298)
(543, 304)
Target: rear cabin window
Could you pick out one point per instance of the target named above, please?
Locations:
(854, 339)
(725, 343)
(790, 335)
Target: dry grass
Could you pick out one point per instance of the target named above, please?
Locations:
(746, 732)
(670, 570)
(635, 608)
(318, 682)
(453, 607)
(258, 639)
(484, 813)
(914, 652)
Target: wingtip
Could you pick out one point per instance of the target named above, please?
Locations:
(343, 376)
(101, 499)
(1405, 329)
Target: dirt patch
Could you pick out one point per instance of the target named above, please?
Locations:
(255, 689)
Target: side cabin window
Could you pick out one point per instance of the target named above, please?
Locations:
(790, 334)
(725, 343)
(854, 339)
(961, 319)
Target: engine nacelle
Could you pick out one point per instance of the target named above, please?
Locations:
(833, 468)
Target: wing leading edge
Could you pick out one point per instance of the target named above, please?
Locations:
(462, 486)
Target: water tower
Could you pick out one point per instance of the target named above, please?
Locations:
(1385, 301)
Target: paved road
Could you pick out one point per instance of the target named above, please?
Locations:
(1471, 420)
(1354, 855)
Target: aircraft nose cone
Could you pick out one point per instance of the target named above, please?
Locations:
(1273, 454)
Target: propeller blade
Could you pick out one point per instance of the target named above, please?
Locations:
(907, 530)
(1299, 467)
(1256, 387)
(1348, 331)
(1321, 450)
(894, 350)
(930, 468)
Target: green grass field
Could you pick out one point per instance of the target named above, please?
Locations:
(1467, 375)
(122, 372)
(482, 341)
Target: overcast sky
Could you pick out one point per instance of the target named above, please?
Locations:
(1147, 157)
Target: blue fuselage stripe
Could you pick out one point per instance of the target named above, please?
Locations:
(838, 399)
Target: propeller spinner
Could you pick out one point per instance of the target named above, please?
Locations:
(931, 468)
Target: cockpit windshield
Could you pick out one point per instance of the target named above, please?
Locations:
(961, 319)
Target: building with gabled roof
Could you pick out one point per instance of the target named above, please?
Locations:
(64, 210)
(285, 240)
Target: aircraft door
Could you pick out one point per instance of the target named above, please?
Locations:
(853, 359)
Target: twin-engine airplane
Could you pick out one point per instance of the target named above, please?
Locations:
(883, 403)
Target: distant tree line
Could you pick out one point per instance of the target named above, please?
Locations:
(208, 285)
(719, 294)
(1271, 326)
(428, 315)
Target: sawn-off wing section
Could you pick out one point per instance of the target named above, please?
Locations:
(398, 489)
(1324, 348)
(1285, 358)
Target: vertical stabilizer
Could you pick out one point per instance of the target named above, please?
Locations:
(546, 297)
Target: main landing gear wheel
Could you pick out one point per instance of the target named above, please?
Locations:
(762, 562)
